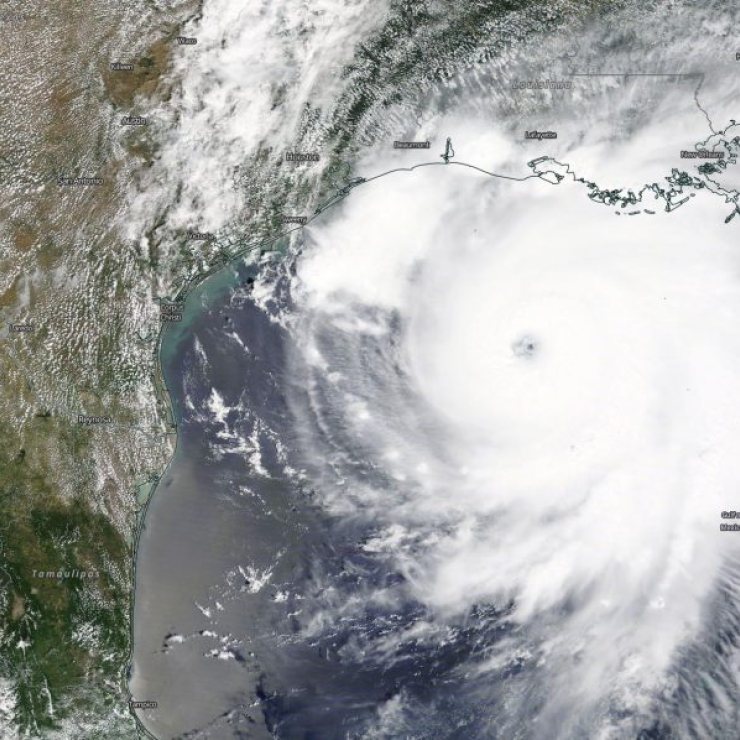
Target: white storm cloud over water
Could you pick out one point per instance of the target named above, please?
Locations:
(547, 394)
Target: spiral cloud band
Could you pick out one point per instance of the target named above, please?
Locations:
(546, 397)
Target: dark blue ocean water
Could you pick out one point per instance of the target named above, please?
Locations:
(219, 652)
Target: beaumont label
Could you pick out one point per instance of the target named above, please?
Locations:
(411, 144)
(133, 121)
(701, 154)
(121, 67)
(170, 312)
(21, 328)
(539, 135)
(186, 40)
(142, 704)
(79, 181)
(301, 157)
(302, 220)
(85, 419)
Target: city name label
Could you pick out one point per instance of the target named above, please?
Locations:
(80, 180)
(412, 144)
(200, 236)
(701, 154)
(170, 312)
(302, 157)
(540, 135)
(142, 704)
(87, 420)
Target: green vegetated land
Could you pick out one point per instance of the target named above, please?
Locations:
(60, 636)
(67, 497)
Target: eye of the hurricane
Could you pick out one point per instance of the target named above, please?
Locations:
(525, 347)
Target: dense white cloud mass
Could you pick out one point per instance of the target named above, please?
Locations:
(243, 86)
(545, 392)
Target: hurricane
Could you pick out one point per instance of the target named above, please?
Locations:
(528, 405)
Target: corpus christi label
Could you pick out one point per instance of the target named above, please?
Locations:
(169, 312)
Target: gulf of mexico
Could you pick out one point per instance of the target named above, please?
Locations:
(240, 627)
(212, 521)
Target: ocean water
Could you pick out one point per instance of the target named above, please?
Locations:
(191, 657)
(256, 615)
